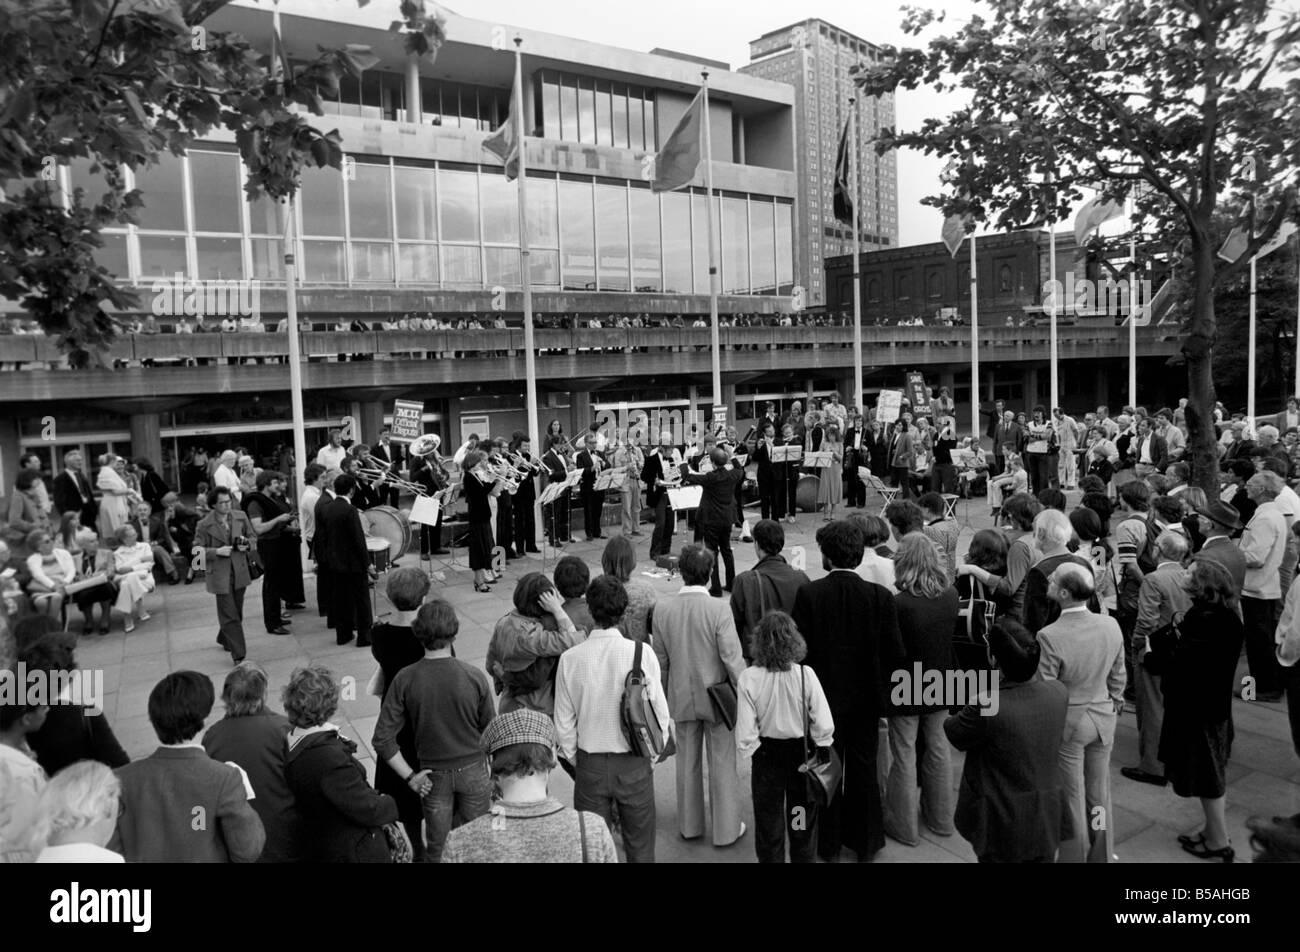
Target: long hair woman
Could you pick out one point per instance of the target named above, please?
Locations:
(619, 560)
(776, 697)
(830, 485)
(988, 551)
(526, 646)
(927, 608)
(479, 513)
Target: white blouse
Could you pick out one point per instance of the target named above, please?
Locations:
(66, 568)
(138, 558)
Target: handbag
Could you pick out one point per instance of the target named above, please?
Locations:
(645, 735)
(1162, 644)
(399, 847)
(975, 620)
(823, 778)
(723, 696)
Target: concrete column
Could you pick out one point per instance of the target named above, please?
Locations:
(370, 419)
(413, 105)
(9, 450)
(729, 401)
(1030, 379)
(580, 413)
(146, 437)
(848, 389)
(1101, 375)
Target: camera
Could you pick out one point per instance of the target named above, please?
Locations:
(241, 544)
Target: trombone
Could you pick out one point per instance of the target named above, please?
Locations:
(369, 470)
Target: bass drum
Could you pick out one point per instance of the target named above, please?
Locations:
(391, 525)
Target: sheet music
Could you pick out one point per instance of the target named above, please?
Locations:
(821, 459)
(425, 510)
(787, 454)
(685, 497)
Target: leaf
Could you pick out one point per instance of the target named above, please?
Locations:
(133, 102)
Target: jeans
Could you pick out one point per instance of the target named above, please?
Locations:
(602, 780)
(781, 802)
(936, 794)
(457, 796)
(1084, 760)
(1260, 616)
(718, 540)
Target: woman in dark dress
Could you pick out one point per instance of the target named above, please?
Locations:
(1197, 665)
(394, 646)
(479, 516)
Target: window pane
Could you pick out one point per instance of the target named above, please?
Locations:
(349, 96)
(604, 124)
(163, 192)
(701, 240)
(451, 105)
(322, 202)
(460, 265)
(458, 205)
(586, 111)
(551, 106)
(215, 182)
(418, 264)
(500, 208)
(369, 202)
(651, 139)
(611, 224)
(268, 258)
(219, 258)
(162, 256)
(545, 266)
(79, 175)
(264, 216)
(569, 109)
(431, 101)
(677, 242)
(577, 236)
(502, 266)
(324, 261)
(635, 120)
(417, 213)
(762, 246)
(620, 116)
(372, 95)
(113, 256)
(372, 261)
(735, 246)
(543, 213)
(645, 241)
(784, 248)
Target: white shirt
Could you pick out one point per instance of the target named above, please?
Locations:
(331, 456)
(1289, 503)
(307, 512)
(771, 704)
(227, 477)
(875, 568)
(589, 691)
(78, 853)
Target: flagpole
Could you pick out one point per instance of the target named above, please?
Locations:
(525, 275)
(713, 267)
(291, 305)
(1250, 357)
(1051, 254)
(1296, 391)
(1132, 304)
(860, 395)
(974, 350)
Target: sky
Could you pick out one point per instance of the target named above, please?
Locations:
(722, 30)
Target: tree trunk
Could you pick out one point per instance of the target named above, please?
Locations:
(1202, 440)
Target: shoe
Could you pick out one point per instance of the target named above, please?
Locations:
(238, 661)
(103, 630)
(637, 532)
(128, 626)
(534, 550)
(145, 616)
(363, 642)
(1201, 851)
(277, 631)
(1141, 776)
(189, 579)
(173, 579)
(739, 836)
(1191, 839)
(295, 607)
(285, 620)
(482, 587)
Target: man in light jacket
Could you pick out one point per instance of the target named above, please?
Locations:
(696, 644)
(1263, 545)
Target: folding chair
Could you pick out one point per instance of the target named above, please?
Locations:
(874, 483)
(950, 505)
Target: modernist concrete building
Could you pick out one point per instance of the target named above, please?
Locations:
(817, 58)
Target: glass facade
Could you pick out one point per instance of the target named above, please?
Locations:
(597, 112)
(391, 222)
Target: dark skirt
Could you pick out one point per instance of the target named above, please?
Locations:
(480, 546)
(86, 598)
(1195, 756)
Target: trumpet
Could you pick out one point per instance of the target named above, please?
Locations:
(524, 467)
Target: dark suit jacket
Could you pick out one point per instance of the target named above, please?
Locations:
(770, 585)
(70, 734)
(67, 497)
(1010, 804)
(257, 743)
(159, 534)
(854, 644)
(1004, 435)
(389, 456)
(718, 503)
(1226, 553)
(319, 541)
(590, 464)
(163, 798)
(556, 471)
(345, 540)
(651, 473)
(342, 815)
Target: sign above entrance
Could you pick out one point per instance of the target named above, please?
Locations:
(408, 420)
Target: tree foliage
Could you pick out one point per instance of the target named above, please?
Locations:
(120, 83)
(1186, 105)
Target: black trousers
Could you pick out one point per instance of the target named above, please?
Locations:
(324, 598)
(855, 818)
(855, 490)
(593, 502)
(1260, 617)
(768, 503)
(431, 537)
(903, 480)
(661, 543)
(230, 616)
(351, 606)
(557, 519)
(525, 527)
(792, 491)
(781, 802)
(505, 528)
(717, 537)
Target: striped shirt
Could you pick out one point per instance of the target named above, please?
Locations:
(589, 691)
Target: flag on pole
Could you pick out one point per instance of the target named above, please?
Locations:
(678, 161)
(504, 143)
(843, 175)
(1092, 215)
(954, 232)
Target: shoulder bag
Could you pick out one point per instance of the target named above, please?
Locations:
(823, 778)
(641, 727)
